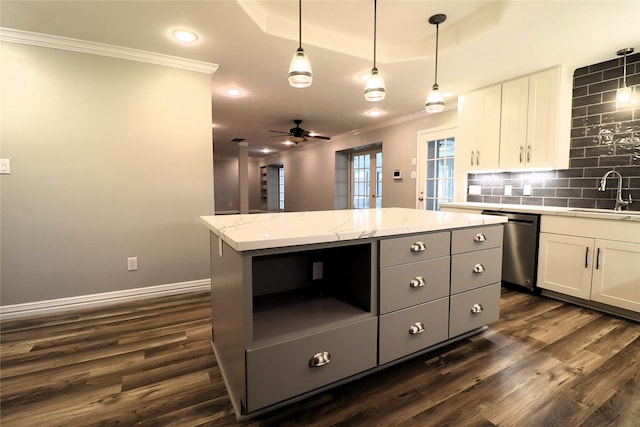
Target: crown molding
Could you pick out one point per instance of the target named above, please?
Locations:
(83, 46)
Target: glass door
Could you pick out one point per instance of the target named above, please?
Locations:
(366, 180)
(435, 169)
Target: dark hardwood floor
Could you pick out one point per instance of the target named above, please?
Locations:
(544, 363)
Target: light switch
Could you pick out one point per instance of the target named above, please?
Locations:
(507, 190)
(5, 166)
(526, 191)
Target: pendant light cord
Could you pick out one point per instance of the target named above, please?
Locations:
(299, 24)
(624, 70)
(375, 20)
(436, 73)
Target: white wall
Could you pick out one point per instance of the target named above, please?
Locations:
(310, 170)
(110, 159)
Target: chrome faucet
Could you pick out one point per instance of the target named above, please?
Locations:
(619, 201)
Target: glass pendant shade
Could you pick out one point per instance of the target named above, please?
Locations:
(300, 74)
(435, 101)
(623, 97)
(375, 90)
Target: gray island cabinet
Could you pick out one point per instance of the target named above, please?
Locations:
(304, 301)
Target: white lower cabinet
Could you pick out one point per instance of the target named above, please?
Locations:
(591, 268)
(616, 274)
(564, 264)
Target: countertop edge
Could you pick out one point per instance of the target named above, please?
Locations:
(548, 210)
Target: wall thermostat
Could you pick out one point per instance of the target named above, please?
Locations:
(397, 174)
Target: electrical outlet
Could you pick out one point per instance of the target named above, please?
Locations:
(526, 191)
(317, 271)
(475, 189)
(5, 166)
(508, 190)
(132, 263)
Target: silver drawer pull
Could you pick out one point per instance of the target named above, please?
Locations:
(416, 328)
(479, 237)
(478, 268)
(477, 308)
(418, 247)
(320, 359)
(417, 282)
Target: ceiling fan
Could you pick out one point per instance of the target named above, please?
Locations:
(298, 135)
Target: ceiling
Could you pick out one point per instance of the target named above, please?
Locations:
(252, 42)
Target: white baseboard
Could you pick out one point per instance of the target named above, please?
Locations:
(94, 300)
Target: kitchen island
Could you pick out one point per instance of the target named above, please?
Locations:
(304, 301)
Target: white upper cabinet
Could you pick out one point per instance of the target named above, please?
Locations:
(520, 124)
(536, 120)
(478, 140)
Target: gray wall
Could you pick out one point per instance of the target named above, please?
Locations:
(310, 170)
(227, 186)
(602, 138)
(110, 159)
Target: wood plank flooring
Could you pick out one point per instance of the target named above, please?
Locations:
(544, 363)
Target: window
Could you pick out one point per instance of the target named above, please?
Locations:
(436, 152)
(281, 188)
(366, 180)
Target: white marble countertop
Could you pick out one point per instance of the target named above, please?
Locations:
(606, 214)
(260, 231)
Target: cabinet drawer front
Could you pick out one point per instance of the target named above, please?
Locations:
(405, 285)
(399, 331)
(475, 269)
(414, 248)
(474, 239)
(282, 371)
(473, 309)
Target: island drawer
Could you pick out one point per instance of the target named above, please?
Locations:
(401, 250)
(473, 309)
(281, 371)
(410, 284)
(413, 329)
(475, 269)
(476, 238)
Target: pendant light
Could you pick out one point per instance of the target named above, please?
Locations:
(300, 74)
(625, 96)
(375, 90)
(435, 101)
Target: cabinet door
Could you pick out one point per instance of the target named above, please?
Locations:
(488, 143)
(616, 274)
(564, 264)
(549, 118)
(478, 140)
(513, 125)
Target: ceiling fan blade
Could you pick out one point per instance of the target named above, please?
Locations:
(279, 131)
(320, 137)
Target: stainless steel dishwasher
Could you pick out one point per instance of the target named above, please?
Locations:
(519, 248)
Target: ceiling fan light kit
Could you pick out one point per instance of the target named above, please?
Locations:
(300, 74)
(435, 101)
(296, 135)
(375, 89)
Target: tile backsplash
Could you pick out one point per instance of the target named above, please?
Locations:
(602, 138)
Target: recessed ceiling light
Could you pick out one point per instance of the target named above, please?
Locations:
(374, 113)
(185, 36)
(233, 92)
